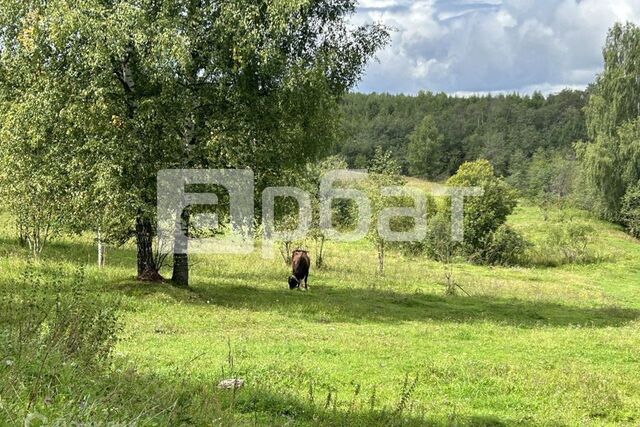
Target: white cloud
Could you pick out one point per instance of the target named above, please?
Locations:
(475, 46)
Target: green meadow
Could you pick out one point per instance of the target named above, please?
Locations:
(533, 319)
(534, 345)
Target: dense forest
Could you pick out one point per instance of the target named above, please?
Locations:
(431, 134)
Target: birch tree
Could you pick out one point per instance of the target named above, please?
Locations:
(611, 157)
(149, 85)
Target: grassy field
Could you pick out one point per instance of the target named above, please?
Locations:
(529, 346)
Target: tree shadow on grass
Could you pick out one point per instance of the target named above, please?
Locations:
(329, 304)
(326, 304)
(11, 246)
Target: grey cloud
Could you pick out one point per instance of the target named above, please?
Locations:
(488, 46)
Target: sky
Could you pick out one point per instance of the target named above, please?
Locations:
(465, 47)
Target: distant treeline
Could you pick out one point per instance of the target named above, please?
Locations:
(431, 135)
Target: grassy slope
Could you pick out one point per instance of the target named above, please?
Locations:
(531, 345)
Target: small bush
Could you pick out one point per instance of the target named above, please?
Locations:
(569, 240)
(421, 247)
(57, 317)
(630, 212)
(438, 244)
(505, 247)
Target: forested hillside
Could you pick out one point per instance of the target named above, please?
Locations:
(444, 131)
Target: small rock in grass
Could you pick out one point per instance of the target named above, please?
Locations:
(231, 384)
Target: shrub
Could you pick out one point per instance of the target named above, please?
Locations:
(421, 247)
(505, 247)
(483, 215)
(630, 212)
(570, 240)
(438, 245)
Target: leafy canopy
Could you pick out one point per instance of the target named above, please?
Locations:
(611, 159)
(113, 91)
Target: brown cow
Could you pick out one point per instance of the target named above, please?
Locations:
(300, 263)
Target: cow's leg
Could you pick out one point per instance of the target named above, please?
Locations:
(306, 286)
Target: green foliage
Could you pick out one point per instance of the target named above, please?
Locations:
(506, 247)
(611, 164)
(341, 212)
(425, 150)
(384, 167)
(383, 172)
(55, 333)
(59, 318)
(506, 129)
(169, 84)
(438, 244)
(37, 184)
(420, 248)
(548, 178)
(569, 240)
(611, 158)
(483, 215)
(616, 91)
(630, 212)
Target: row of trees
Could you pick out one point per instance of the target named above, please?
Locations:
(97, 96)
(431, 135)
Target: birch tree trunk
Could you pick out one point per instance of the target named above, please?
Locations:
(180, 276)
(101, 250)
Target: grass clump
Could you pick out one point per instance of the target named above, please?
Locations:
(55, 334)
